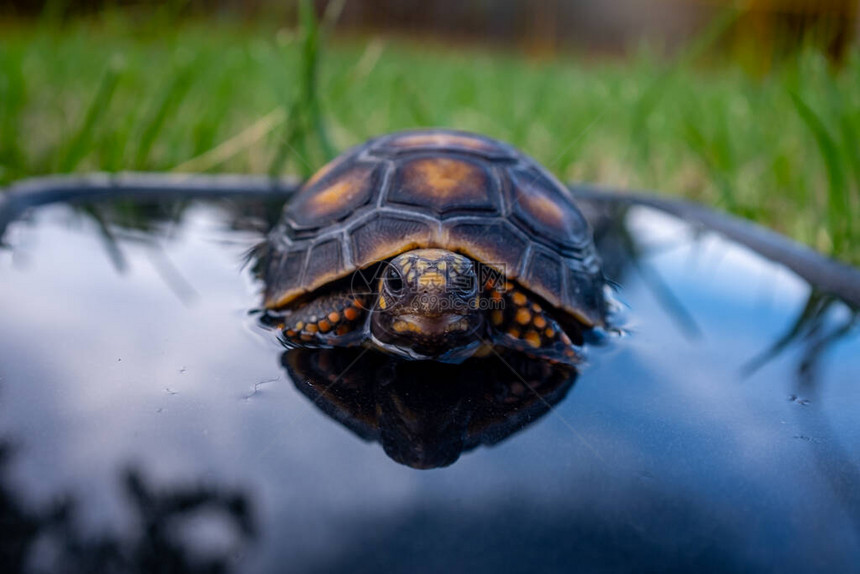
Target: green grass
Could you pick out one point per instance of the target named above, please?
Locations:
(115, 94)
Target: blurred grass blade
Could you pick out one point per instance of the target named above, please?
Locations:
(838, 198)
(310, 75)
(53, 12)
(304, 115)
(171, 97)
(13, 98)
(715, 31)
(229, 148)
(79, 145)
(412, 100)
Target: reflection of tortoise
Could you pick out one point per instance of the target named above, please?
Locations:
(426, 414)
(433, 244)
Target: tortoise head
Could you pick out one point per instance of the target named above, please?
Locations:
(428, 306)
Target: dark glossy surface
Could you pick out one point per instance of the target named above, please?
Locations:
(147, 421)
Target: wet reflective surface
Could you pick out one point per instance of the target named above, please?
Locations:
(148, 422)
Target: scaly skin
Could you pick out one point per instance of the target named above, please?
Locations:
(521, 323)
(332, 320)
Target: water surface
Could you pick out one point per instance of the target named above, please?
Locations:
(147, 420)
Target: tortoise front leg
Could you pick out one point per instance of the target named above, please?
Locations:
(333, 320)
(518, 322)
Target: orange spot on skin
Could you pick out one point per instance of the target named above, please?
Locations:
(324, 326)
(533, 339)
(515, 333)
(536, 308)
(549, 333)
(540, 322)
(334, 317)
(523, 316)
(351, 313)
(519, 299)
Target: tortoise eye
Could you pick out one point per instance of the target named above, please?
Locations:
(394, 281)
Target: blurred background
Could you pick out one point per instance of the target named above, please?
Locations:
(751, 107)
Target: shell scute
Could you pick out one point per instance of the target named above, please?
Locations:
(495, 243)
(385, 235)
(445, 185)
(540, 205)
(283, 273)
(334, 196)
(443, 141)
(545, 272)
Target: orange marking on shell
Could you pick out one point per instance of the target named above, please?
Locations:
(540, 322)
(443, 177)
(334, 317)
(307, 338)
(536, 308)
(300, 325)
(342, 330)
(515, 333)
(335, 196)
(497, 317)
(290, 333)
(550, 333)
(519, 298)
(542, 207)
(311, 329)
(324, 326)
(322, 172)
(523, 316)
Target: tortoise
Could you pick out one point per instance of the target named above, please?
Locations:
(434, 245)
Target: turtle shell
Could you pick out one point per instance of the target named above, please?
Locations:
(436, 188)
